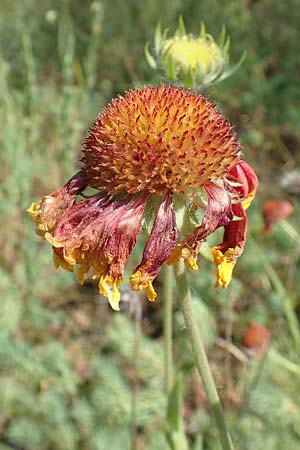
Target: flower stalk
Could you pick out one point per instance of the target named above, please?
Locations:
(200, 356)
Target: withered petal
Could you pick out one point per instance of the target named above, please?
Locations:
(160, 244)
(245, 182)
(226, 254)
(218, 213)
(99, 233)
(47, 211)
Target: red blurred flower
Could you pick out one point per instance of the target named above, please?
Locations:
(156, 142)
(256, 337)
(275, 210)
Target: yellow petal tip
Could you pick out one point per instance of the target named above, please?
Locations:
(246, 203)
(183, 251)
(190, 258)
(108, 287)
(151, 294)
(141, 280)
(224, 266)
(31, 209)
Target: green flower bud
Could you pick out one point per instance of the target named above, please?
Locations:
(194, 61)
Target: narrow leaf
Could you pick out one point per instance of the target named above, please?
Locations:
(222, 37)
(189, 79)
(157, 38)
(202, 30)
(233, 69)
(149, 57)
(181, 26)
(171, 72)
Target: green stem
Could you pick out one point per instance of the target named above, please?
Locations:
(291, 231)
(136, 355)
(200, 356)
(168, 329)
(284, 362)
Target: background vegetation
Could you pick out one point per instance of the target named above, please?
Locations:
(73, 374)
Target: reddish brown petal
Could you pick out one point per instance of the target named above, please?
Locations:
(161, 243)
(76, 235)
(245, 182)
(218, 213)
(99, 233)
(47, 211)
(250, 175)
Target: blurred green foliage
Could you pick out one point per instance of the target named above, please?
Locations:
(67, 363)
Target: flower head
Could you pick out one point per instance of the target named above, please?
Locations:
(154, 143)
(158, 139)
(194, 60)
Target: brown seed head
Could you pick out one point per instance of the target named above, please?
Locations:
(158, 139)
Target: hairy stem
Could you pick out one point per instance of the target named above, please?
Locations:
(136, 383)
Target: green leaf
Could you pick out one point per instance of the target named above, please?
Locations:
(189, 79)
(151, 61)
(226, 46)
(158, 38)
(165, 34)
(233, 69)
(171, 72)
(202, 31)
(181, 27)
(222, 37)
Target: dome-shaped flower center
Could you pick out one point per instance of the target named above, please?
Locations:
(158, 139)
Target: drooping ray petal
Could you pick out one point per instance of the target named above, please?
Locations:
(76, 235)
(217, 214)
(47, 211)
(99, 233)
(226, 254)
(118, 246)
(245, 182)
(161, 243)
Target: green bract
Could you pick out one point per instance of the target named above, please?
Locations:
(194, 61)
